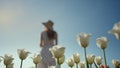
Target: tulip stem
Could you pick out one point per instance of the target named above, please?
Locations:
(6, 66)
(58, 65)
(95, 65)
(105, 58)
(87, 66)
(21, 63)
(35, 65)
(99, 66)
(76, 65)
(117, 67)
(90, 65)
(57, 60)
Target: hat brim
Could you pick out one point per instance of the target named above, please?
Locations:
(47, 24)
(44, 23)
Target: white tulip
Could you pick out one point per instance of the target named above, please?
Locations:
(82, 65)
(61, 60)
(36, 58)
(98, 60)
(116, 30)
(7, 59)
(76, 58)
(90, 58)
(70, 62)
(116, 63)
(57, 51)
(10, 65)
(23, 53)
(102, 42)
(83, 39)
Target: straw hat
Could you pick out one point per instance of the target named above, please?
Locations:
(49, 24)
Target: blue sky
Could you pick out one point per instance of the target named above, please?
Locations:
(20, 25)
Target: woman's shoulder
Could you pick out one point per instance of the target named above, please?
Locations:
(43, 32)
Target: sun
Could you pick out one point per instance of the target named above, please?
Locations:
(6, 17)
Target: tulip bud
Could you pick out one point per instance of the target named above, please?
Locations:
(10, 65)
(70, 62)
(98, 60)
(23, 53)
(7, 59)
(102, 42)
(116, 30)
(57, 51)
(61, 60)
(82, 64)
(36, 58)
(90, 58)
(83, 39)
(76, 58)
(116, 63)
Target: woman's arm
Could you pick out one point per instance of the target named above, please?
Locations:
(56, 39)
(41, 40)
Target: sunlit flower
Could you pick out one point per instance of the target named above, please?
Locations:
(83, 39)
(102, 42)
(116, 30)
(76, 58)
(61, 60)
(82, 65)
(36, 58)
(90, 59)
(10, 65)
(57, 51)
(70, 62)
(7, 59)
(23, 53)
(116, 63)
(98, 60)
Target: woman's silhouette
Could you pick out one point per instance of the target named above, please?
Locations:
(48, 39)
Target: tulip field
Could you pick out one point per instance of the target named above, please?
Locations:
(58, 53)
(81, 33)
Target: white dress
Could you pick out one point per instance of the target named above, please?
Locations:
(47, 59)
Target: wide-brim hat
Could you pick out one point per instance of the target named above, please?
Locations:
(49, 24)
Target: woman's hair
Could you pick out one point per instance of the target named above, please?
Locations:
(51, 34)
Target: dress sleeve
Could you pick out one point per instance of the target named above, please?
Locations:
(41, 39)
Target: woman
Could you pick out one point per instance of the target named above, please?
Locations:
(48, 39)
